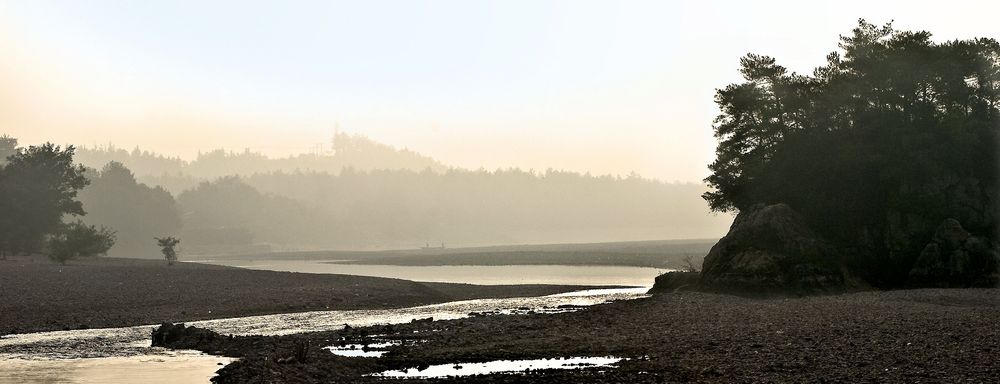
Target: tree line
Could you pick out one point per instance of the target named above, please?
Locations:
(384, 208)
(176, 175)
(401, 208)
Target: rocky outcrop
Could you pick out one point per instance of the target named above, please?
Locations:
(676, 281)
(179, 336)
(955, 258)
(770, 248)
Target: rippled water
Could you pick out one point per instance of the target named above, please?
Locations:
(97, 355)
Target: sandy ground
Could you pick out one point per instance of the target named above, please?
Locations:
(39, 295)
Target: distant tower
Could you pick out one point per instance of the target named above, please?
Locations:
(336, 133)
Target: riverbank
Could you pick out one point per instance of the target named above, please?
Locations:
(927, 335)
(39, 295)
(664, 254)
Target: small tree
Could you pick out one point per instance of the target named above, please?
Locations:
(167, 244)
(79, 239)
(689, 264)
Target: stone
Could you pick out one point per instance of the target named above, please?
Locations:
(771, 248)
(675, 281)
(179, 336)
(955, 258)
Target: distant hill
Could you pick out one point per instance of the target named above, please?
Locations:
(175, 174)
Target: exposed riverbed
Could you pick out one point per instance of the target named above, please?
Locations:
(123, 355)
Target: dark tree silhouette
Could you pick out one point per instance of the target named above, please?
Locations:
(38, 185)
(893, 135)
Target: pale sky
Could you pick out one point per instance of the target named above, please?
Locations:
(599, 86)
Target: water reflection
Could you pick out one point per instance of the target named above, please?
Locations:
(131, 341)
(501, 366)
(124, 355)
(469, 274)
(162, 367)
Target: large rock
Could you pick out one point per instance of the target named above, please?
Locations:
(955, 258)
(676, 281)
(770, 248)
(179, 336)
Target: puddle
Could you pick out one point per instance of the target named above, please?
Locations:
(502, 366)
(362, 350)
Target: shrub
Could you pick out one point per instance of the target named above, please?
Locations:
(79, 239)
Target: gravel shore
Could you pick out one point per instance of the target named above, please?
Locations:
(906, 336)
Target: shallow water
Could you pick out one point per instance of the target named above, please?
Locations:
(105, 355)
(469, 274)
(162, 367)
(501, 366)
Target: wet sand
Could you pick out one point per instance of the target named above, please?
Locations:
(39, 295)
(927, 335)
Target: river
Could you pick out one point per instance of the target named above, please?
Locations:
(123, 355)
(468, 274)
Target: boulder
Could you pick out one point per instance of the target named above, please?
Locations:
(955, 258)
(770, 248)
(179, 336)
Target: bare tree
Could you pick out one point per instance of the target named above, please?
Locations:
(689, 264)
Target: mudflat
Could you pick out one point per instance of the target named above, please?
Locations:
(926, 335)
(39, 295)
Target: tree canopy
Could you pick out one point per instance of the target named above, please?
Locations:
(114, 198)
(38, 185)
(895, 133)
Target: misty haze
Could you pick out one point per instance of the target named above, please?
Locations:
(499, 192)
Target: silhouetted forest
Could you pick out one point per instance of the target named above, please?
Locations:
(136, 211)
(875, 149)
(401, 208)
(246, 202)
(177, 175)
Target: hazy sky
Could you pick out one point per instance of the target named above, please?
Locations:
(606, 87)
